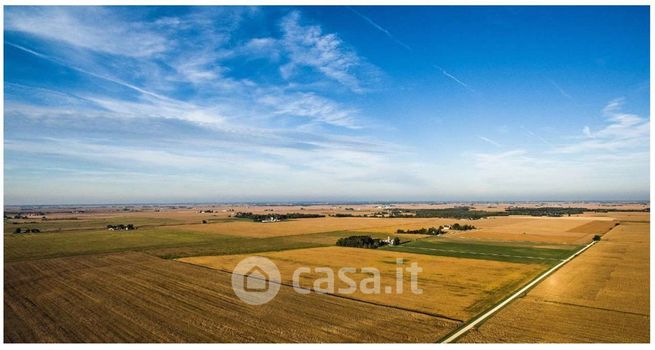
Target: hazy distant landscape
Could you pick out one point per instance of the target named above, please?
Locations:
(326, 174)
(77, 269)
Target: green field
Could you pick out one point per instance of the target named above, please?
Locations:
(160, 241)
(168, 242)
(87, 223)
(479, 250)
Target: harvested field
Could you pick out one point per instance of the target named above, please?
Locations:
(302, 226)
(532, 229)
(601, 296)
(392, 225)
(312, 225)
(159, 241)
(133, 297)
(614, 275)
(530, 320)
(622, 216)
(453, 287)
(595, 227)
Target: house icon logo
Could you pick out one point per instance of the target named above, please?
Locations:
(256, 280)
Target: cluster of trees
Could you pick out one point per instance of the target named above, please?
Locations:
(277, 217)
(424, 231)
(464, 227)
(559, 211)
(438, 230)
(348, 215)
(613, 210)
(121, 227)
(26, 230)
(364, 242)
(467, 213)
(17, 216)
(394, 213)
(457, 213)
(545, 211)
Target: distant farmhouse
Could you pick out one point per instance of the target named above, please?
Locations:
(391, 241)
(121, 227)
(271, 219)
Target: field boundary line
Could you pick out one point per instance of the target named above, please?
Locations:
(466, 327)
(592, 307)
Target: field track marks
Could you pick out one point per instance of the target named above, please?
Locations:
(594, 307)
(431, 314)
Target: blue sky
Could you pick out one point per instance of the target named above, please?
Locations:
(185, 104)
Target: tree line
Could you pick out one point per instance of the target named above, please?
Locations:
(276, 217)
(438, 230)
(364, 242)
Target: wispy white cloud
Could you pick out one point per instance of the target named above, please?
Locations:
(327, 53)
(312, 106)
(453, 78)
(93, 74)
(268, 48)
(538, 137)
(380, 28)
(560, 90)
(623, 131)
(490, 141)
(79, 26)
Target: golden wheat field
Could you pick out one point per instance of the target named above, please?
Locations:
(595, 227)
(534, 321)
(413, 224)
(313, 225)
(563, 230)
(454, 287)
(133, 297)
(568, 230)
(600, 296)
(622, 216)
(75, 277)
(613, 275)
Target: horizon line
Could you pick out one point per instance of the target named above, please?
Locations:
(318, 202)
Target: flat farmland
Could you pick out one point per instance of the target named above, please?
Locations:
(159, 241)
(88, 222)
(247, 228)
(392, 225)
(572, 230)
(643, 217)
(530, 320)
(454, 287)
(133, 297)
(614, 275)
(561, 230)
(162, 241)
(501, 251)
(76, 277)
(601, 296)
(595, 227)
